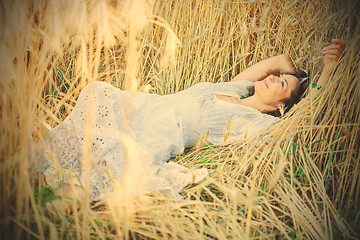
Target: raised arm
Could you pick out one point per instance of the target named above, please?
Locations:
(332, 54)
(280, 64)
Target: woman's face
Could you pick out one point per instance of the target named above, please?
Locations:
(275, 90)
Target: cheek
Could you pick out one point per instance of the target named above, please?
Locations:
(265, 94)
(268, 96)
(271, 97)
(259, 87)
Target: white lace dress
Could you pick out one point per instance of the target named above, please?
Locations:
(117, 126)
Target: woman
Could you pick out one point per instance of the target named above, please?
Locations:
(108, 125)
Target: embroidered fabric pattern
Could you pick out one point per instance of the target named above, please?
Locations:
(92, 136)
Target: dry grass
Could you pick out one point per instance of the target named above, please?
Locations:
(301, 182)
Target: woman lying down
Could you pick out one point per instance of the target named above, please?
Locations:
(116, 136)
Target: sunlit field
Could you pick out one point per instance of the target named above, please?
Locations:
(297, 180)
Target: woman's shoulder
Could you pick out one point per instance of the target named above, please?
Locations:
(238, 89)
(241, 83)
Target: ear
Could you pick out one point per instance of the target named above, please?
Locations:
(279, 104)
(273, 107)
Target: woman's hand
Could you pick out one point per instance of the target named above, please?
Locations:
(332, 54)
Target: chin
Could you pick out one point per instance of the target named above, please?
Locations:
(257, 85)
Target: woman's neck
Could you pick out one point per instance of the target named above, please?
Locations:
(252, 102)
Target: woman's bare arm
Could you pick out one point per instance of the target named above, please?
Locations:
(280, 64)
(332, 54)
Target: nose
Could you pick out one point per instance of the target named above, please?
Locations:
(272, 77)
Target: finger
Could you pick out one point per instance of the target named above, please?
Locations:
(331, 57)
(331, 54)
(336, 44)
(340, 42)
(334, 51)
(333, 47)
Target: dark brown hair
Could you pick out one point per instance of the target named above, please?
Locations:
(296, 94)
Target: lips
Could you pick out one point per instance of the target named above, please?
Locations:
(266, 84)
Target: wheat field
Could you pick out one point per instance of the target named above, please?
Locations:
(300, 182)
